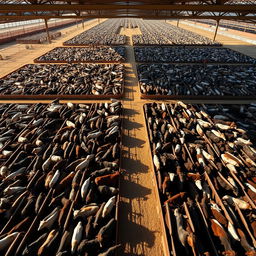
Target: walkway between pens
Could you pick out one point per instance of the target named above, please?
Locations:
(139, 222)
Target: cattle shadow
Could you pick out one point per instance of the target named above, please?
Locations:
(131, 233)
(131, 164)
(130, 125)
(132, 190)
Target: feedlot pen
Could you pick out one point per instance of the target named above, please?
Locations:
(140, 226)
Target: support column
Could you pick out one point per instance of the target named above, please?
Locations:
(216, 30)
(47, 31)
(178, 21)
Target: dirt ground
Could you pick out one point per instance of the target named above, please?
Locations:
(140, 222)
(139, 226)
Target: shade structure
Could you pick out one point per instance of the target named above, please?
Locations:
(167, 9)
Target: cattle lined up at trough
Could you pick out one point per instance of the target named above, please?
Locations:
(204, 159)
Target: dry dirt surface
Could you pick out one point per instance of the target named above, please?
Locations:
(140, 230)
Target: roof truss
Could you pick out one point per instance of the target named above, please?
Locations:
(167, 9)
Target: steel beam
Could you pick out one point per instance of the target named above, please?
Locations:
(151, 16)
(77, 7)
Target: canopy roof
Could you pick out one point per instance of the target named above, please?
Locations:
(167, 9)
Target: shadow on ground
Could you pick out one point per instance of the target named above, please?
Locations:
(132, 142)
(133, 165)
(127, 93)
(143, 237)
(130, 128)
(135, 190)
(130, 125)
